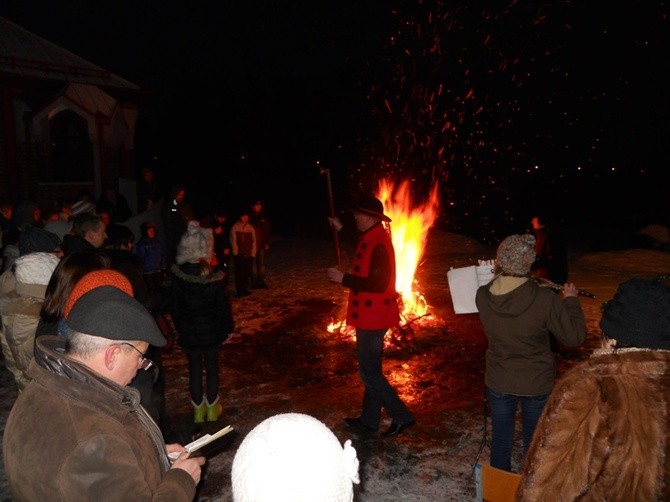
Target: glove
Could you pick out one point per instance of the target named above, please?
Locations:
(335, 275)
(335, 223)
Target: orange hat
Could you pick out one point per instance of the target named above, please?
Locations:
(97, 278)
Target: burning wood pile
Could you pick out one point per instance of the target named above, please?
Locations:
(409, 233)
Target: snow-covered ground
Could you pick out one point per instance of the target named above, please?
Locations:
(286, 361)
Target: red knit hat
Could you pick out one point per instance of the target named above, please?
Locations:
(97, 278)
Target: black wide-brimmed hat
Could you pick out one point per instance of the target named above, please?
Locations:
(371, 206)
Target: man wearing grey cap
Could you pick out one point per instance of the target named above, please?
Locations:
(77, 432)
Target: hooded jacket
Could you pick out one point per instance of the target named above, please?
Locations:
(261, 224)
(175, 216)
(72, 243)
(74, 435)
(200, 307)
(518, 315)
(150, 251)
(603, 434)
(243, 239)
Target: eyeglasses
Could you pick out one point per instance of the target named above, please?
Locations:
(147, 364)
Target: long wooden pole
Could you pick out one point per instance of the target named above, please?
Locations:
(332, 214)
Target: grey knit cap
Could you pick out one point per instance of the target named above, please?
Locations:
(516, 254)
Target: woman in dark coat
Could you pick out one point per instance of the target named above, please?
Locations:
(518, 315)
(202, 314)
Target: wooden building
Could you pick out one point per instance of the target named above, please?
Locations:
(66, 125)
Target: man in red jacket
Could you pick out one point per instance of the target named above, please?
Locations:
(372, 310)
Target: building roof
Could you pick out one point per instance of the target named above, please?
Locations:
(24, 54)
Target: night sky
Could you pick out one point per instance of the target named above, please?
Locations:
(510, 107)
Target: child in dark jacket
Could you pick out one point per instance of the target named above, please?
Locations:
(202, 314)
(150, 250)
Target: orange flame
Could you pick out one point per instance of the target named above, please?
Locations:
(409, 233)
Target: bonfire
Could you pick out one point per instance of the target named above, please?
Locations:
(411, 222)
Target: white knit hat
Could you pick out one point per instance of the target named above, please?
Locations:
(82, 206)
(294, 457)
(193, 245)
(34, 269)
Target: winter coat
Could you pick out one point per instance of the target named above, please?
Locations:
(175, 217)
(72, 243)
(373, 300)
(148, 194)
(243, 239)
(222, 247)
(151, 253)
(261, 224)
(20, 312)
(73, 435)
(35, 240)
(8, 231)
(20, 317)
(128, 264)
(518, 315)
(200, 308)
(7, 283)
(604, 432)
(552, 256)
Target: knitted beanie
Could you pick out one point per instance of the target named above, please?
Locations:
(33, 271)
(82, 206)
(516, 254)
(639, 315)
(193, 245)
(37, 240)
(92, 280)
(292, 457)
